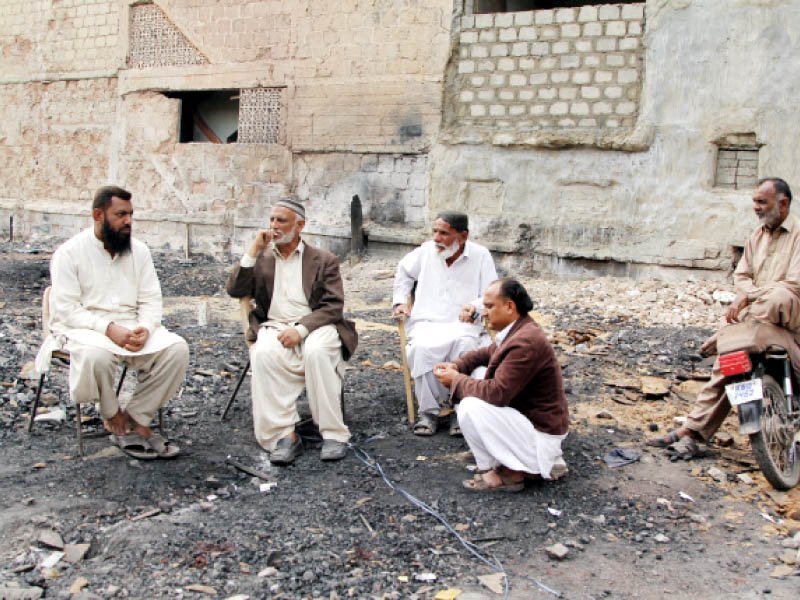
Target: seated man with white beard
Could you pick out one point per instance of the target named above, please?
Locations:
(451, 274)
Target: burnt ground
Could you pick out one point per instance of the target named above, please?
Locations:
(197, 526)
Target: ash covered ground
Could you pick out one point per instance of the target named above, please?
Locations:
(199, 527)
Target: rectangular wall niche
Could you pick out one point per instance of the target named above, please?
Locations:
(250, 116)
(478, 7)
(737, 168)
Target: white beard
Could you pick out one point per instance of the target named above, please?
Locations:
(449, 251)
(284, 239)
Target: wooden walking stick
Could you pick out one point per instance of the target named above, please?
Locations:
(401, 326)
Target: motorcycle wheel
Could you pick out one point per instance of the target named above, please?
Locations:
(773, 444)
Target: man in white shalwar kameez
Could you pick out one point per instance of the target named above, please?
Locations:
(451, 274)
(106, 308)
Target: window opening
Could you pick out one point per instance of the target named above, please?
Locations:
(208, 116)
(737, 167)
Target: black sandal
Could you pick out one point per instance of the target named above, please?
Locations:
(426, 424)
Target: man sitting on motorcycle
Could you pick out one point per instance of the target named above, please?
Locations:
(767, 280)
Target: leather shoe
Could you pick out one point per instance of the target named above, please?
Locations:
(333, 450)
(286, 451)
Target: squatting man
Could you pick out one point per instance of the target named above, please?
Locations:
(767, 280)
(515, 418)
(301, 337)
(106, 309)
(451, 274)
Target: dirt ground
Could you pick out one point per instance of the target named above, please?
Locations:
(200, 527)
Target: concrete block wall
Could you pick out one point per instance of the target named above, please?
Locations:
(563, 68)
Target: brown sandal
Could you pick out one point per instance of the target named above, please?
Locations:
(663, 441)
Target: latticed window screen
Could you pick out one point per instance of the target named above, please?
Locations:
(156, 42)
(260, 116)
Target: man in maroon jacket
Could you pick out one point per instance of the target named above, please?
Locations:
(514, 419)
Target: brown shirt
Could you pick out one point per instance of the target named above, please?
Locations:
(523, 373)
(770, 259)
(322, 286)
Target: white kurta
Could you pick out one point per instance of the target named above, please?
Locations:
(434, 332)
(90, 289)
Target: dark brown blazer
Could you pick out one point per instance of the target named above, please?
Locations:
(322, 284)
(522, 373)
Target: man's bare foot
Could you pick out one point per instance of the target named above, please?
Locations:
(511, 475)
(143, 431)
(119, 424)
(494, 480)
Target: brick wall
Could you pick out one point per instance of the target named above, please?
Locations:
(565, 68)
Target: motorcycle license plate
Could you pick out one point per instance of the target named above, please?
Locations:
(744, 391)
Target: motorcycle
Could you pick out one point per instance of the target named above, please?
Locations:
(760, 382)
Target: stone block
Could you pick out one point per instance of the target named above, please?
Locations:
(548, 62)
(523, 18)
(635, 28)
(587, 123)
(627, 76)
(615, 60)
(468, 37)
(506, 95)
(603, 76)
(613, 91)
(466, 66)
(579, 109)
(559, 77)
(547, 93)
(527, 64)
(570, 61)
(608, 12)
(488, 36)
(616, 28)
(633, 11)
(587, 13)
(484, 21)
(485, 66)
(590, 92)
(544, 17)
(726, 176)
(479, 51)
(601, 108)
(568, 122)
(486, 95)
(549, 33)
(506, 64)
(630, 43)
(527, 34)
(571, 30)
(626, 108)
(582, 77)
(726, 162)
(591, 61)
(477, 110)
(559, 108)
(497, 110)
(504, 20)
(584, 46)
(467, 22)
(466, 96)
(477, 80)
(565, 15)
(507, 35)
(540, 48)
(497, 80)
(526, 95)
(568, 93)
(538, 78)
(500, 50)
(517, 80)
(538, 109)
(606, 44)
(463, 52)
(516, 110)
(560, 48)
(593, 29)
(519, 49)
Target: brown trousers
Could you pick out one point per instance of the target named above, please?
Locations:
(779, 307)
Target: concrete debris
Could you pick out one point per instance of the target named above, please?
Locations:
(557, 551)
(655, 387)
(782, 571)
(10, 592)
(201, 589)
(74, 553)
(77, 585)
(745, 479)
(50, 539)
(493, 581)
(717, 474)
(56, 415)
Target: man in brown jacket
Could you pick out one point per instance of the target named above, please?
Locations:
(301, 337)
(514, 419)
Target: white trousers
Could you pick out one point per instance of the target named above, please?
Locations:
(432, 343)
(93, 370)
(501, 435)
(279, 376)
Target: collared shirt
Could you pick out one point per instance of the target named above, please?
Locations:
(442, 290)
(289, 303)
(501, 335)
(770, 258)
